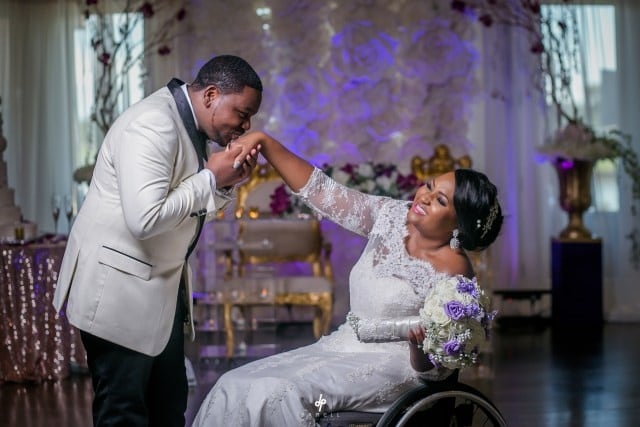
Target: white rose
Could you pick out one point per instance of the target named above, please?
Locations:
(434, 311)
(385, 183)
(477, 338)
(367, 186)
(446, 290)
(365, 170)
(341, 176)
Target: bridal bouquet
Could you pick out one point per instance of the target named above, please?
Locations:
(457, 321)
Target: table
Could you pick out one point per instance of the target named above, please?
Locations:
(534, 318)
(37, 343)
(243, 293)
(532, 295)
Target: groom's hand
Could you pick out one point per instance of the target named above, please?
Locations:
(234, 164)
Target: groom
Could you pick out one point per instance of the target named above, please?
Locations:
(124, 274)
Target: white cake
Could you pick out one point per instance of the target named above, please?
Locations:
(10, 214)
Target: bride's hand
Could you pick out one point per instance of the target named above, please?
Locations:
(250, 145)
(416, 336)
(419, 360)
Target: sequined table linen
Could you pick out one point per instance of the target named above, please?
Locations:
(36, 344)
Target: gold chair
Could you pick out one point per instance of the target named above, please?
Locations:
(265, 240)
(440, 162)
(253, 196)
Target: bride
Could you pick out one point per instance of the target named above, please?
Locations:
(412, 246)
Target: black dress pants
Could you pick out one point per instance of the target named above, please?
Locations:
(132, 389)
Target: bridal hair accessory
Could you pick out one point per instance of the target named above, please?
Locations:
(454, 243)
(457, 322)
(493, 214)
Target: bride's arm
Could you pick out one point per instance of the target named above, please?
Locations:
(419, 359)
(350, 208)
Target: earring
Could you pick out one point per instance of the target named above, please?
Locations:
(454, 243)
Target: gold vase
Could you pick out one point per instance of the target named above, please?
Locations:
(574, 180)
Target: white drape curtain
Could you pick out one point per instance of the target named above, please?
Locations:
(508, 125)
(623, 282)
(37, 86)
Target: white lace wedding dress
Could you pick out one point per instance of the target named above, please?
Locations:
(282, 390)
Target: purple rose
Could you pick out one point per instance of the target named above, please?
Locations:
(464, 287)
(467, 287)
(454, 309)
(472, 310)
(452, 347)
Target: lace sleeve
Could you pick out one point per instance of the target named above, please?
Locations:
(345, 206)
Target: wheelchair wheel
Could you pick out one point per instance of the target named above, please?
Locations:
(450, 405)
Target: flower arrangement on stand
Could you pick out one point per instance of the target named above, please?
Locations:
(380, 179)
(555, 38)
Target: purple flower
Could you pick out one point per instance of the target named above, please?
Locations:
(458, 6)
(465, 287)
(146, 9)
(537, 47)
(472, 310)
(486, 19)
(433, 361)
(535, 7)
(280, 201)
(452, 347)
(104, 58)
(348, 169)
(454, 309)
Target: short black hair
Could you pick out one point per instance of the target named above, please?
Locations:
(229, 73)
(479, 214)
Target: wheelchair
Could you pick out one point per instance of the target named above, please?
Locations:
(439, 403)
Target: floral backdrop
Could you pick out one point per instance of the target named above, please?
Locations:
(348, 82)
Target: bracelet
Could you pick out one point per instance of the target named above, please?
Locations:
(354, 322)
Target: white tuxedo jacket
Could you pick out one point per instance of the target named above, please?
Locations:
(126, 251)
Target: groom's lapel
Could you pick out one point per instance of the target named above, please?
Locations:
(199, 139)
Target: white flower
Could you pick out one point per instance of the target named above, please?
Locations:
(365, 170)
(367, 186)
(341, 176)
(386, 182)
(576, 141)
